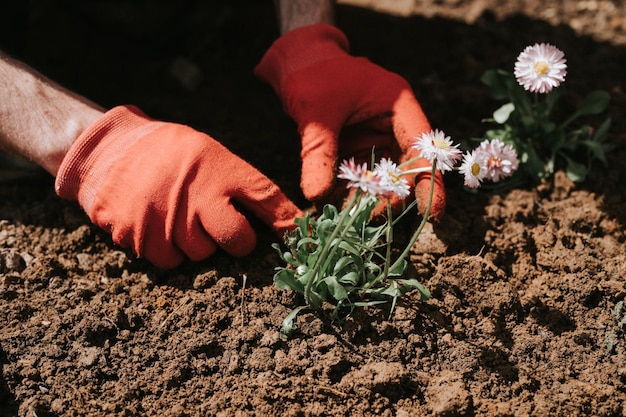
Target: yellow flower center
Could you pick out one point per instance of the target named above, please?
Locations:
(494, 162)
(440, 143)
(394, 178)
(541, 68)
(475, 169)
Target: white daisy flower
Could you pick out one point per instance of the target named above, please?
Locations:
(391, 179)
(474, 168)
(435, 145)
(540, 68)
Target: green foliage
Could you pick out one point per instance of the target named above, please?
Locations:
(341, 260)
(544, 145)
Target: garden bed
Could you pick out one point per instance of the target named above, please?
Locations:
(524, 283)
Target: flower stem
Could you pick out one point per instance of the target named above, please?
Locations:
(329, 249)
(389, 239)
(419, 229)
(413, 238)
(416, 171)
(410, 161)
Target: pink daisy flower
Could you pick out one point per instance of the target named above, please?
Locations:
(540, 68)
(358, 176)
(435, 145)
(501, 159)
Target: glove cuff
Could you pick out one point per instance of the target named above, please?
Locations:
(86, 164)
(298, 49)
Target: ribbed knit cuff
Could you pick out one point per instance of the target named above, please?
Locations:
(86, 164)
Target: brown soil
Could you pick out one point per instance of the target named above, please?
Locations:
(523, 283)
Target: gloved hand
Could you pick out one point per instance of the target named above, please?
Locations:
(344, 106)
(167, 190)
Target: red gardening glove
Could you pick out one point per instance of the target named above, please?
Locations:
(344, 106)
(166, 190)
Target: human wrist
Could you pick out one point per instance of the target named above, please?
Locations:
(293, 14)
(87, 161)
(39, 120)
(68, 120)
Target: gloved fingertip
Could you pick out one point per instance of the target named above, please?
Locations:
(165, 261)
(318, 178)
(437, 208)
(243, 247)
(286, 222)
(200, 251)
(315, 189)
(238, 240)
(319, 160)
(422, 194)
(317, 181)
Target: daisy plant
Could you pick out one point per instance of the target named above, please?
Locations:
(343, 260)
(544, 138)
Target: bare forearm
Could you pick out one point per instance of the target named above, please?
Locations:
(39, 120)
(293, 14)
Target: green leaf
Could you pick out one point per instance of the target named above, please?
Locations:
(392, 290)
(286, 280)
(278, 249)
(373, 267)
(548, 127)
(315, 299)
(288, 326)
(351, 278)
(521, 99)
(502, 114)
(306, 277)
(415, 284)
(496, 81)
(399, 287)
(342, 263)
(551, 99)
(575, 171)
(528, 120)
(595, 103)
(335, 288)
(348, 264)
(372, 235)
(597, 149)
(325, 228)
(307, 243)
(349, 247)
(329, 212)
(600, 133)
(369, 303)
(398, 270)
(285, 256)
(288, 257)
(303, 224)
(533, 165)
